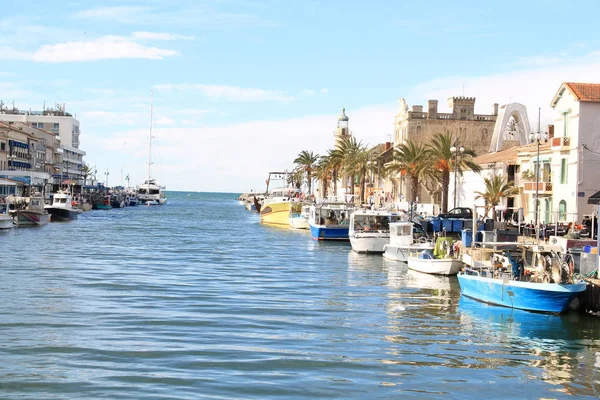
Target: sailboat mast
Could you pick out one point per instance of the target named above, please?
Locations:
(150, 142)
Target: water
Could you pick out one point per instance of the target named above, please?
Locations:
(197, 300)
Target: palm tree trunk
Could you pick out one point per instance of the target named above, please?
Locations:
(335, 179)
(309, 177)
(445, 188)
(414, 189)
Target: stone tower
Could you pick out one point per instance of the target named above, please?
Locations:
(463, 108)
(342, 131)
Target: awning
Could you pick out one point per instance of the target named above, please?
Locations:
(19, 164)
(594, 199)
(14, 143)
(25, 179)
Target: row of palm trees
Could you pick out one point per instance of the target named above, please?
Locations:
(423, 165)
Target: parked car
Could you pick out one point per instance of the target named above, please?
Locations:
(458, 212)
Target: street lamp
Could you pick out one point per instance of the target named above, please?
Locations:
(456, 151)
(538, 138)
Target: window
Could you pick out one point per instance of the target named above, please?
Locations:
(563, 171)
(39, 125)
(566, 124)
(418, 130)
(3, 146)
(562, 210)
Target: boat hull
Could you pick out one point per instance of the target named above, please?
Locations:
(369, 243)
(435, 266)
(530, 296)
(61, 214)
(400, 253)
(101, 207)
(299, 223)
(277, 214)
(329, 232)
(6, 221)
(25, 217)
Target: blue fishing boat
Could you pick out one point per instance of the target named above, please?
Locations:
(534, 279)
(330, 220)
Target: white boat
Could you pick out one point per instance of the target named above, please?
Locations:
(442, 261)
(6, 220)
(405, 237)
(150, 192)
(299, 213)
(369, 230)
(62, 207)
(33, 214)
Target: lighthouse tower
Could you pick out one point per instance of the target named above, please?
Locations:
(342, 130)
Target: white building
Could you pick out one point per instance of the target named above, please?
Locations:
(576, 147)
(568, 157)
(56, 121)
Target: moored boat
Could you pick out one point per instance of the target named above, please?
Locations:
(442, 261)
(299, 213)
(62, 208)
(405, 238)
(532, 278)
(33, 214)
(369, 230)
(330, 220)
(6, 220)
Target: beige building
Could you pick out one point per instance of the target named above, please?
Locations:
(473, 131)
(22, 156)
(64, 126)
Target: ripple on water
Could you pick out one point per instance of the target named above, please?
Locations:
(198, 300)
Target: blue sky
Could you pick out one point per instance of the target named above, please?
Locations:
(241, 87)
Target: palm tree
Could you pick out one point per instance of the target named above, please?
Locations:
(306, 162)
(443, 161)
(496, 188)
(355, 160)
(323, 172)
(410, 160)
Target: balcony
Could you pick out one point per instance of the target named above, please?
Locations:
(543, 187)
(560, 142)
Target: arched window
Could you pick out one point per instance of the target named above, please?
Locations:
(418, 129)
(562, 210)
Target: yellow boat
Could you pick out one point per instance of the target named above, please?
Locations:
(276, 212)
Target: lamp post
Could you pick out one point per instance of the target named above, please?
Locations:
(538, 138)
(456, 151)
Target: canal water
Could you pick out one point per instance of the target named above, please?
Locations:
(197, 300)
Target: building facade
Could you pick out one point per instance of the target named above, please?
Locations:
(64, 127)
(556, 175)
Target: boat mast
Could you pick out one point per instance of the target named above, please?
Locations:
(150, 141)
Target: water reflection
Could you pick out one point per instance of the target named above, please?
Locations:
(554, 343)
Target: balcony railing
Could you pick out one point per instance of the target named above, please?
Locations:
(561, 142)
(543, 187)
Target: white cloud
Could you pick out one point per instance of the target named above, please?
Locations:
(324, 91)
(159, 36)
(238, 155)
(104, 48)
(230, 93)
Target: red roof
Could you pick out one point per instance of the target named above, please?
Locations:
(585, 91)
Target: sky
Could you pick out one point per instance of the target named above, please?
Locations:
(241, 87)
